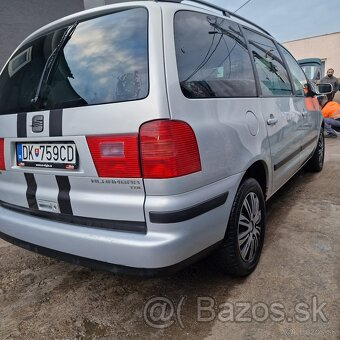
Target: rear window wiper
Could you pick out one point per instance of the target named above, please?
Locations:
(50, 62)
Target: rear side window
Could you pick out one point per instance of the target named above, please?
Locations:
(298, 76)
(102, 60)
(212, 57)
(273, 76)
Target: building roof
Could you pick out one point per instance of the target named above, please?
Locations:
(315, 36)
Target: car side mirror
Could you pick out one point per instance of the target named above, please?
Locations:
(324, 88)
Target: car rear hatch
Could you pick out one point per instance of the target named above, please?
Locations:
(72, 100)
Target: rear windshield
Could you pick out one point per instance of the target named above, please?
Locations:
(102, 60)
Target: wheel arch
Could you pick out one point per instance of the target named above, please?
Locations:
(259, 171)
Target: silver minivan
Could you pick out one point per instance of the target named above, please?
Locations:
(140, 136)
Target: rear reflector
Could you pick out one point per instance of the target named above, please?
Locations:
(115, 156)
(168, 149)
(2, 154)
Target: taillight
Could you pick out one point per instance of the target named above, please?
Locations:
(115, 156)
(168, 149)
(2, 154)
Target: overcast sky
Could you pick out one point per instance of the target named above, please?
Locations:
(290, 19)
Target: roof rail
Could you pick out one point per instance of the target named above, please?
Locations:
(224, 11)
(202, 2)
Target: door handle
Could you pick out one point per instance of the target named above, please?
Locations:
(272, 120)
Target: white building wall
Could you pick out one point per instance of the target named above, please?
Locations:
(325, 47)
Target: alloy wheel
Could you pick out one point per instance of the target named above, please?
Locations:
(249, 227)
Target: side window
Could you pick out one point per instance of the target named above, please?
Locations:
(212, 57)
(270, 67)
(298, 76)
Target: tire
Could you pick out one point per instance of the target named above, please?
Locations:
(232, 257)
(315, 164)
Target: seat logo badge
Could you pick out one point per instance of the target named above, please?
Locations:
(38, 124)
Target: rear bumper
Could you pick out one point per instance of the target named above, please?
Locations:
(113, 268)
(131, 226)
(173, 236)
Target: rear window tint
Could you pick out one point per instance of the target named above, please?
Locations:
(297, 74)
(212, 57)
(273, 76)
(102, 60)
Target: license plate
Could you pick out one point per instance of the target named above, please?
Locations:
(47, 155)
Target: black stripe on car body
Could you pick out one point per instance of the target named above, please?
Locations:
(64, 199)
(188, 213)
(287, 159)
(31, 191)
(22, 124)
(293, 154)
(56, 123)
(118, 225)
(306, 145)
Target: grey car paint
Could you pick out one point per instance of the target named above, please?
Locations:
(232, 134)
